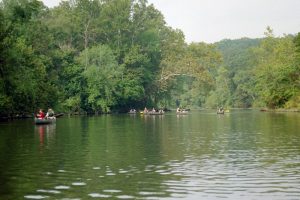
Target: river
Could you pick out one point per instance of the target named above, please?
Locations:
(243, 154)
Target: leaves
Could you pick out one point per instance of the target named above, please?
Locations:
(99, 56)
(274, 72)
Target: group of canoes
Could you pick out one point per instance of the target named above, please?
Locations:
(148, 112)
(49, 117)
(42, 118)
(178, 111)
(153, 112)
(158, 111)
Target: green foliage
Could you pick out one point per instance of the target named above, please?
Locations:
(70, 80)
(275, 71)
(24, 86)
(223, 88)
(239, 60)
(102, 77)
(261, 72)
(236, 54)
(244, 94)
(188, 74)
(100, 56)
(72, 104)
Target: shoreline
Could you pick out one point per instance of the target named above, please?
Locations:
(27, 116)
(280, 110)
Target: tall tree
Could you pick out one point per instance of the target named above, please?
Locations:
(24, 84)
(275, 69)
(102, 75)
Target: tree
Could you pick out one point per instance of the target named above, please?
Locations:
(275, 71)
(238, 59)
(24, 72)
(188, 70)
(102, 77)
(221, 96)
(244, 95)
(294, 101)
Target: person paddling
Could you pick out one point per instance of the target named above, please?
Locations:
(41, 114)
(50, 113)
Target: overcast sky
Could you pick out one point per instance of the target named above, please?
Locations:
(213, 20)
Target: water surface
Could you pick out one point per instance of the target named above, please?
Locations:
(239, 155)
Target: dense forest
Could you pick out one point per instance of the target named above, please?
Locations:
(101, 56)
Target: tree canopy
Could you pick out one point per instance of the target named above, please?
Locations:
(111, 55)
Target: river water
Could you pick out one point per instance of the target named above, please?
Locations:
(240, 155)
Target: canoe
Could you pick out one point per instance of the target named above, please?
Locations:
(48, 120)
(132, 112)
(184, 112)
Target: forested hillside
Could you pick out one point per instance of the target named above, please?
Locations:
(111, 55)
(259, 72)
(238, 60)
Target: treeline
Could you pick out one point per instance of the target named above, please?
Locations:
(259, 72)
(111, 55)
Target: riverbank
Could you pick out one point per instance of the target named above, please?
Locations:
(5, 118)
(279, 110)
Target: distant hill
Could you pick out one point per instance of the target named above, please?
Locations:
(236, 53)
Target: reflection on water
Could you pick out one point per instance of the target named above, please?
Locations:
(239, 155)
(45, 132)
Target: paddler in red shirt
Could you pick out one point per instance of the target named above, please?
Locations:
(41, 114)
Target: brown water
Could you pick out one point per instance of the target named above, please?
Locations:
(239, 155)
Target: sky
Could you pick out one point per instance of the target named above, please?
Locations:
(213, 20)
